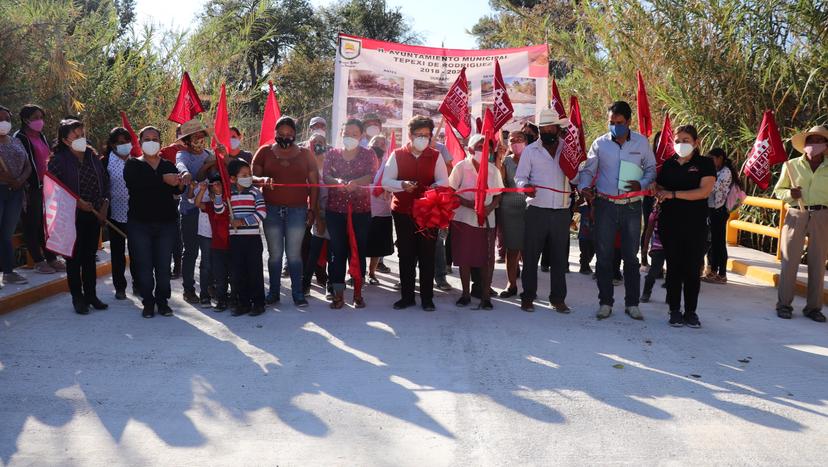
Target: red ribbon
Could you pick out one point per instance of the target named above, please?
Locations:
(435, 209)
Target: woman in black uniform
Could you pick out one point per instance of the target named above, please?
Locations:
(683, 185)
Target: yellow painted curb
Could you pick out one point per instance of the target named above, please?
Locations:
(767, 276)
(42, 291)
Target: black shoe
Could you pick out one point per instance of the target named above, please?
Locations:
(508, 293)
(476, 293)
(272, 298)
(428, 305)
(527, 305)
(165, 310)
(97, 304)
(485, 305)
(463, 300)
(80, 306)
(191, 297)
(645, 297)
(402, 304)
(211, 291)
(676, 319)
(220, 305)
(381, 267)
(560, 307)
(120, 295)
(241, 310)
(301, 303)
(306, 290)
(815, 315)
(205, 301)
(691, 320)
(149, 311)
(585, 270)
(257, 310)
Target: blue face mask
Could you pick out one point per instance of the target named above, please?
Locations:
(619, 131)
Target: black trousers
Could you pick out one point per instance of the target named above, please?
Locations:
(545, 229)
(247, 269)
(587, 251)
(80, 268)
(219, 263)
(118, 248)
(414, 250)
(684, 240)
(717, 255)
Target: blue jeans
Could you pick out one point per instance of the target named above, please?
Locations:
(609, 219)
(205, 270)
(340, 247)
(152, 244)
(189, 237)
(284, 229)
(11, 205)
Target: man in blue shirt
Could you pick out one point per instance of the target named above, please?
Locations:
(618, 154)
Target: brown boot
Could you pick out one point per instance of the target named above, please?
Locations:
(338, 301)
(359, 302)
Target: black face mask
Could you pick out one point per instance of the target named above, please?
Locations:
(284, 143)
(530, 138)
(319, 149)
(549, 138)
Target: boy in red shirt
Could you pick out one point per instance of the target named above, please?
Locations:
(220, 245)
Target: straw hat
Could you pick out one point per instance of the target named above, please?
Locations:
(192, 127)
(798, 140)
(551, 117)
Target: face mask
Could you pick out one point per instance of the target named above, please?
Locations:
(350, 143)
(319, 149)
(235, 143)
(815, 149)
(549, 138)
(530, 138)
(245, 182)
(619, 131)
(517, 148)
(123, 149)
(683, 149)
(284, 143)
(36, 125)
(320, 132)
(478, 156)
(5, 128)
(421, 142)
(79, 145)
(197, 146)
(150, 148)
(372, 131)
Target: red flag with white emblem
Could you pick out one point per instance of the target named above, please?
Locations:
(767, 151)
(188, 105)
(455, 106)
(503, 109)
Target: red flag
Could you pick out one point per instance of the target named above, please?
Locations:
(665, 150)
(59, 207)
(483, 170)
(378, 190)
(767, 151)
(645, 119)
(503, 109)
(557, 102)
(272, 112)
(188, 105)
(573, 152)
(455, 106)
(454, 147)
(221, 127)
(136, 146)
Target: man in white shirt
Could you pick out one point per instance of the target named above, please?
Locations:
(547, 215)
(410, 171)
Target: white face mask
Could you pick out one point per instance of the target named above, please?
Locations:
(420, 143)
(150, 148)
(372, 131)
(478, 156)
(5, 128)
(350, 143)
(684, 149)
(246, 182)
(79, 145)
(320, 132)
(123, 149)
(235, 143)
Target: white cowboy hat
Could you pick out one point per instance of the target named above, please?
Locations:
(192, 127)
(551, 117)
(798, 140)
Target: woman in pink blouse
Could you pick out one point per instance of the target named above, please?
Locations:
(352, 166)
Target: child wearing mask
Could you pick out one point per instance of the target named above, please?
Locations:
(220, 232)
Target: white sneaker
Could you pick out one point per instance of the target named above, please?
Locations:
(634, 312)
(604, 312)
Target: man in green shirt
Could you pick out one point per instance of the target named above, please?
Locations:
(803, 185)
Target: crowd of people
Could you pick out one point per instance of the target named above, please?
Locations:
(331, 211)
